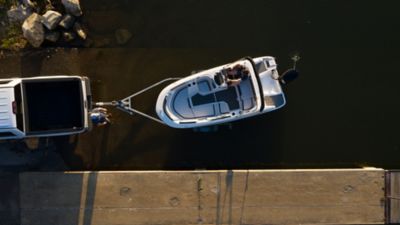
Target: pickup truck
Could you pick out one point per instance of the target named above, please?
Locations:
(44, 106)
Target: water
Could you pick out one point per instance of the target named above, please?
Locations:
(342, 112)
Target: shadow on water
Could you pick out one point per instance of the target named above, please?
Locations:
(100, 157)
(125, 149)
(251, 143)
(65, 146)
(143, 147)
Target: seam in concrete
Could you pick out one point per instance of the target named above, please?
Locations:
(199, 200)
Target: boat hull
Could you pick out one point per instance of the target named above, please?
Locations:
(200, 100)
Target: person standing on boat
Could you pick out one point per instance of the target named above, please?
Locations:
(236, 74)
(100, 116)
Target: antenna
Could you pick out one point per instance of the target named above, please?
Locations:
(295, 58)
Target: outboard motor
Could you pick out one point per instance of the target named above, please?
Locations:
(288, 76)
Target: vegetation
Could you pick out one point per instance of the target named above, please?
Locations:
(13, 39)
(10, 33)
(7, 3)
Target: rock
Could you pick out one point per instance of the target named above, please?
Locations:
(72, 7)
(29, 3)
(19, 13)
(49, 6)
(80, 31)
(51, 19)
(52, 36)
(68, 36)
(33, 30)
(67, 21)
(122, 36)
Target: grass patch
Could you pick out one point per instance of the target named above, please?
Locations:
(7, 3)
(10, 33)
(13, 39)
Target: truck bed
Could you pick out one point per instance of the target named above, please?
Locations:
(53, 105)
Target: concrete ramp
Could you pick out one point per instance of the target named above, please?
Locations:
(209, 197)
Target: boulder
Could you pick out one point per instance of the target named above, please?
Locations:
(122, 36)
(80, 31)
(19, 13)
(68, 36)
(72, 7)
(67, 21)
(33, 30)
(51, 19)
(28, 3)
(52, 36)
(49, 5)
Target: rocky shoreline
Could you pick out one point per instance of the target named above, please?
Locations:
(49, 21)
(32, 24)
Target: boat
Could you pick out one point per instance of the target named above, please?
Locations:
(208, 98)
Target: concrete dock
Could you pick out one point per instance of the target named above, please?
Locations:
(353, 196)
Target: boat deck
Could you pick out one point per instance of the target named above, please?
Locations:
(204, 99)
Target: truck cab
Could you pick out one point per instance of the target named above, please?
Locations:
(44, 106)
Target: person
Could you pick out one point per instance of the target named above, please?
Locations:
(236, 74)
(100, 116)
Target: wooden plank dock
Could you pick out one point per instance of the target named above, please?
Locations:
(343, 196)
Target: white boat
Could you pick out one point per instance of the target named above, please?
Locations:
(206, 99)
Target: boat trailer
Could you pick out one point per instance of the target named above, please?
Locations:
(126, 104)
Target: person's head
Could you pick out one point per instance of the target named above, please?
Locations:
(245, 74)
(98, 117)
(95, 118)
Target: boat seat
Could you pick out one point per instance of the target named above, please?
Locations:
(246, 94)
(205, 110)
(248, 103)
(204, 86)
(181, 104)
(274, 100)
(223, 107)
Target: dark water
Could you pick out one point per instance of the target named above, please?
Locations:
(344, 111)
